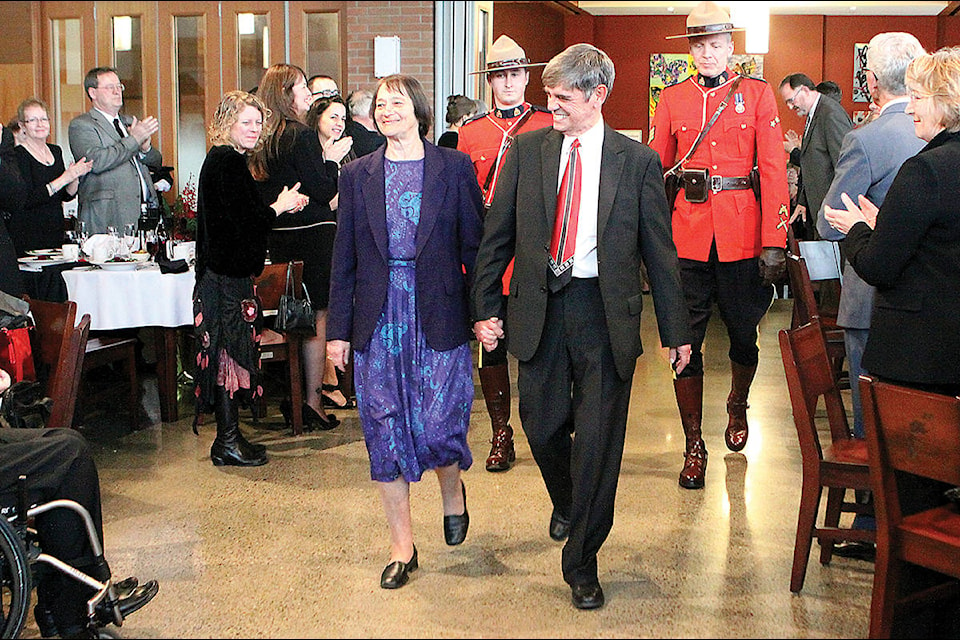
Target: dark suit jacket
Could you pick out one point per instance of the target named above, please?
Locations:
(913, 259)
(633, 224)
(818, 155)
(110, 194)
(447, 237)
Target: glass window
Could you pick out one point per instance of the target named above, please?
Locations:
(253, 33)
(69, 99)
(190, 97)
(323, 46)
(128, 60)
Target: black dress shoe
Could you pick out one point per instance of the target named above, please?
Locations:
(858, 550)
(559, 527)
(396, 574)
(313, 420)
(587, 596)
(455, 527)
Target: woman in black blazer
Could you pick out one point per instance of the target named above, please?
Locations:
(910, 248)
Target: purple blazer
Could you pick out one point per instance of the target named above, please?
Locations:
(447, 239)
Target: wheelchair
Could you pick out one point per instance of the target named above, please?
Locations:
(21, 553)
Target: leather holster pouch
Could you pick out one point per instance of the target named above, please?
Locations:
(755, 182)
(696, 185)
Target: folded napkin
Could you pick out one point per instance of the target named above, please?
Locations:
(172, 266)
(96, 241)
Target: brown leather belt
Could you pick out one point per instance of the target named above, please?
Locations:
(720, 183)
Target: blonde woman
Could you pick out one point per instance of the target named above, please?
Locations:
(232, 226)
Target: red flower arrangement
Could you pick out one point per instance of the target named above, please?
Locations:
(184, 211)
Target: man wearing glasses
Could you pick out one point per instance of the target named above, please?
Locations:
(817, 151)
(118, 188)
(322, 86)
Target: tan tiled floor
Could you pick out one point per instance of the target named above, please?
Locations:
(294, 549)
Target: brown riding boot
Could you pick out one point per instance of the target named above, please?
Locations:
(689, 392)
(737, 431)
(495, 383)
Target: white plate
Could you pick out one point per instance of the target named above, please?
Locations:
(42, 261)
(45, 252)
(117, 266)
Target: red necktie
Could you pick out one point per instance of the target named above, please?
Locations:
(564, 239)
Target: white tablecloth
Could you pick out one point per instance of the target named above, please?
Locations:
(130, 299)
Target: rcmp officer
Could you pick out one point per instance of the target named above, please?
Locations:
(727, 217)
(485, 139)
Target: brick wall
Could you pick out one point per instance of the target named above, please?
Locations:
(412, 21)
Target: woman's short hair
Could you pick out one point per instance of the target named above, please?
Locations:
(459, 106)
(227, 114)
(410, 87)
(938, 75)
(312, 119)
(26, 104)
(580, 66)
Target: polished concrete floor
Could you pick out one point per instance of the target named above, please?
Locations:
(294, 549)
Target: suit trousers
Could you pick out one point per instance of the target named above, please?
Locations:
(572, 375)
(737, 290)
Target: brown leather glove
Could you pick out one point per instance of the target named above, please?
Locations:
(773, 262)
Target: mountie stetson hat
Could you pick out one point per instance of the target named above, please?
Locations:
(707, 18)
(507, 54)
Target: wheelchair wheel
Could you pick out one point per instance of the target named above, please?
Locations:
(14, 582)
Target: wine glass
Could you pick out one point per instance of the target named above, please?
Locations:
(152, 244)
(81, 229)
(129, 237)
(116, 243)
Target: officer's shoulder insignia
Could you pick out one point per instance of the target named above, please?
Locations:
(473, 118)
(775, 121)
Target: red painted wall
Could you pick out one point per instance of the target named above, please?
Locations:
(820, 46)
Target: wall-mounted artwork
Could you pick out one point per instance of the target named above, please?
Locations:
(670, 68)
(860, 91)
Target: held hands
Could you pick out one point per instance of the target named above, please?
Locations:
(337, 150)
(290, 199)
(773, 262)
(799, 212)
(842, 220)
(338, 352)
(143, 129)
(489, 332)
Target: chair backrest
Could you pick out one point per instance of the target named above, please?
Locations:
(910, 431)
(67, 384)
(810, 376)
(272, 283)
(54, 322)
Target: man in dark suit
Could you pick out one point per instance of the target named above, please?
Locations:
(817, 151)
(576, 296)
(118, 187)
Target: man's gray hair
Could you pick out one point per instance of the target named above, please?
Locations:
(359, 103)
(580, 66)
(888, 55)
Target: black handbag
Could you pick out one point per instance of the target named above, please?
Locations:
(295, 315)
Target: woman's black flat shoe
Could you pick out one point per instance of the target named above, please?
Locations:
(396, 574)
(455, 527)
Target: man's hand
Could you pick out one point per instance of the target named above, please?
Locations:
(773, 262)
(791, 141)
(680, 358)
(143, 129)
(799, 212)
(488, 332)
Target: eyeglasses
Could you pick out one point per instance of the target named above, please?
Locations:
(113, 87)
(36, 120)
(326, 93)
(792, 101)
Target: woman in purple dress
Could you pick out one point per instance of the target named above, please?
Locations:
(407, 234)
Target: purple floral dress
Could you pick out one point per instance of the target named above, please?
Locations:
(414, 403)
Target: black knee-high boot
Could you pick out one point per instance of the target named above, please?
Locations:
(230, 447)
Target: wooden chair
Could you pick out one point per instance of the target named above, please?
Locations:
(60, 350)
(918, 433)
(838, 465)
(805, 309)
(282, 347)
(109, 349)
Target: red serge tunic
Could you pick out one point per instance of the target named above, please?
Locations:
(748, 128)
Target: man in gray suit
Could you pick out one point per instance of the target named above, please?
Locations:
(816, 152)
(579, 205)
(118, 187)
(869, 160)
